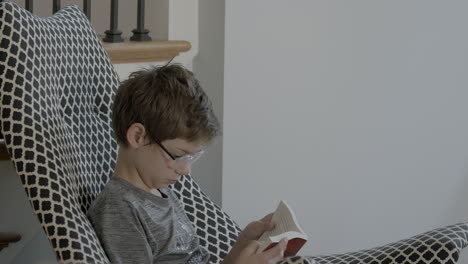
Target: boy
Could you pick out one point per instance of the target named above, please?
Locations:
(162, 119)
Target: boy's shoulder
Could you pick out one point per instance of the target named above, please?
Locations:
(118, 194)
(114, 195)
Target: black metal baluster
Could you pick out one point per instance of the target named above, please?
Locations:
(87, 8)
(140, 33)
(55, 6)
(29, 5)
(113, 34)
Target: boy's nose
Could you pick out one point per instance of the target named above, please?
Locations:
(183, 170)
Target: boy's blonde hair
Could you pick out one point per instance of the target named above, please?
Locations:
(169, 101)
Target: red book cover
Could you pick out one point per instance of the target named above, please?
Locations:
(294, 245)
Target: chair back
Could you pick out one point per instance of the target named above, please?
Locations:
(56, 90)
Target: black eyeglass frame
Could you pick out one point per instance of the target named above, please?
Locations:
(163, 148)
(189, 159)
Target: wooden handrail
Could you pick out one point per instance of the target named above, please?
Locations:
(145, 51)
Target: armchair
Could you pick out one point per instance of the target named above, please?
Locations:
(56, 89)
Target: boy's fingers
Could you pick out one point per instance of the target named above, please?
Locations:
(271, 225)
(267, 218)
(277, 252)
(267, 223)
(251, 248)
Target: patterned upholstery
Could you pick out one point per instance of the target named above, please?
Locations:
(56, 90)
(440, 246)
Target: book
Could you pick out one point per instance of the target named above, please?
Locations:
(288, 227)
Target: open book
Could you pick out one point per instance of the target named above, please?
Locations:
(286, 227)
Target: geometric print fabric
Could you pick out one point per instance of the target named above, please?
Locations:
(57, 86)
(56, 90)
(440, 246)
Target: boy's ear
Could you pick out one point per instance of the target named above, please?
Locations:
(136, 135)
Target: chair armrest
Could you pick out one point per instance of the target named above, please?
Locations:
(3, 150)
(441, 245)
(298, 260)
(7, 238)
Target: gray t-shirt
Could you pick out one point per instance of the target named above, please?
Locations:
(135, 226)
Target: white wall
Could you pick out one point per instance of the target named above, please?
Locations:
(352, 111)
(208, 67)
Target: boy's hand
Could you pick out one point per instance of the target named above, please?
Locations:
(251, 232)
(249, 255)
(255, 229)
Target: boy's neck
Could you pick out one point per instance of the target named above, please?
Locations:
(126, 170)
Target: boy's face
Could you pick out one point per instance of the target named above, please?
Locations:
(156, 167)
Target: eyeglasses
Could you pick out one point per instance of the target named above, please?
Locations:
(185, 160)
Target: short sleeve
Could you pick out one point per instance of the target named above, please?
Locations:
(121, 234)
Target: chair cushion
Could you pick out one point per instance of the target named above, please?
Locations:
(441, 245)
(56, 90)
(216, 230)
